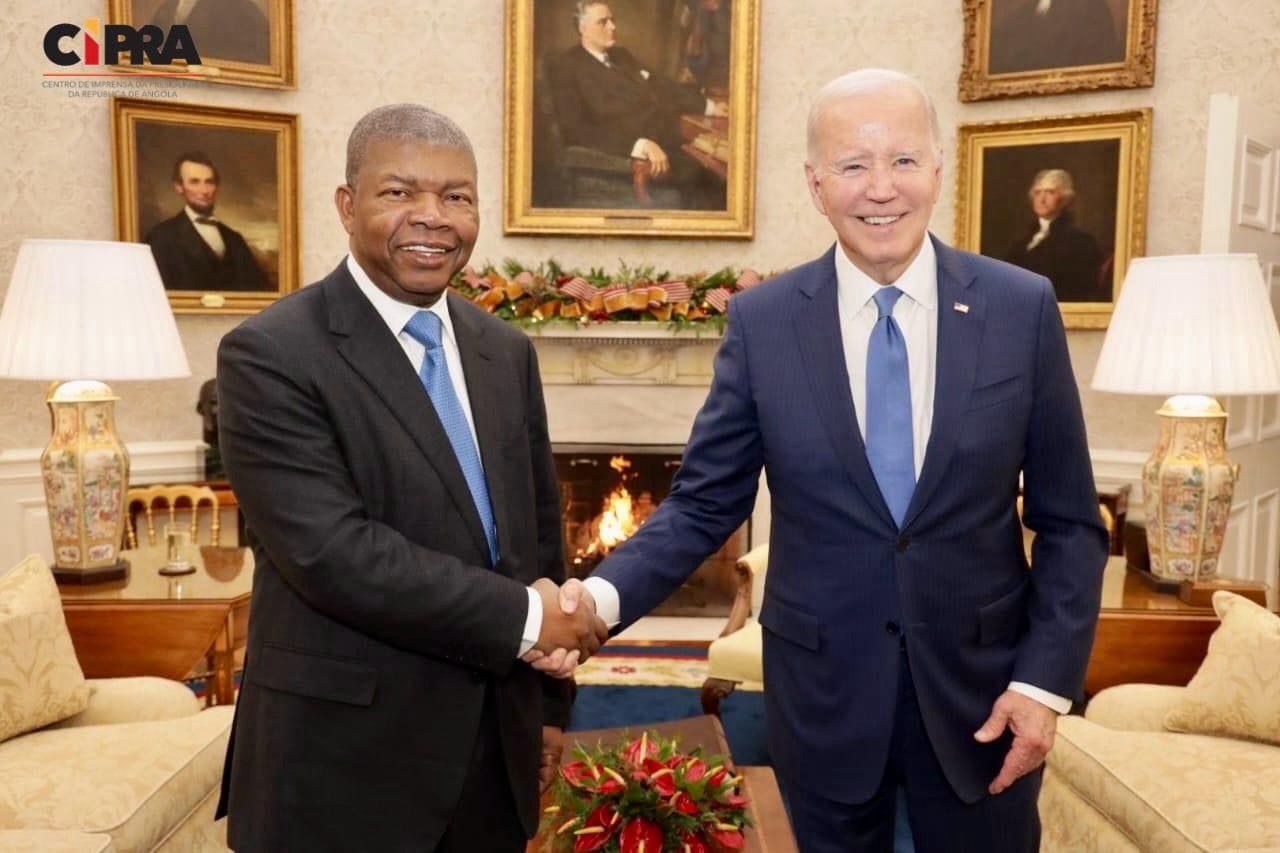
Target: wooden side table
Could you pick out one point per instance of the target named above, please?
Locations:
(151, 624)
(1145, 636)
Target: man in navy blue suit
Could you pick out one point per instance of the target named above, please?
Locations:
(893, 390)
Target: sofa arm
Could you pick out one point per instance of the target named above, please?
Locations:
(1133, 707)
(132, 700)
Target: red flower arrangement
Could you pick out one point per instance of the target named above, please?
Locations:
(645, 796)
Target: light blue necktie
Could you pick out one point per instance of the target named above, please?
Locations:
(425, 328)
(889, 428)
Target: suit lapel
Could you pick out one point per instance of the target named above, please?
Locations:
(959, 340)
(817, 332)
(480, 364)
(375, 354)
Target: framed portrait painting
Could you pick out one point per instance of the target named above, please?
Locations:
(1045, 47)
(214, 192)
(245, 42)
(633, 117)
(1065, 197)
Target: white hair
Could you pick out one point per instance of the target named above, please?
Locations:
(861, 81)
(1060, 178)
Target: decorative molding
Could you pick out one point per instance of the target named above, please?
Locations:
(1242, 421)
(625, 354)
(1253, 204)
(1235, 559)
(1266, 540)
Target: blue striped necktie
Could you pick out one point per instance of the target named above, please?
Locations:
(425, 328)
(890, 447)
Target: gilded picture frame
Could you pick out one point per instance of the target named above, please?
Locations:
(1027, 47)
(257, 50)
(683, 64)
(1082, 228)
(214, 192)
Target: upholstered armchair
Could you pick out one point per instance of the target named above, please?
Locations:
(735, 657)
(1177, 769)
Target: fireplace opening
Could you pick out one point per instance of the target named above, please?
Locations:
(607, 492)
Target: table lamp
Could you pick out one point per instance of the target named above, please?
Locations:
(77, 309)
(1190, 326)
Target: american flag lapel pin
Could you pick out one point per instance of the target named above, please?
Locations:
(961, 307)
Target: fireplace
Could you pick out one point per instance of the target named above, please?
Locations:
(608, 491)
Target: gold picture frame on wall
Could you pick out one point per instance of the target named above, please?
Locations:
(1064, 196)
(1047, 47)
(653, 134)
(242, 42)
(214, 192)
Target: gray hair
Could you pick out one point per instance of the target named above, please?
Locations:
(1060, 178)
(403, 122)
(867, 80)
(580, 10)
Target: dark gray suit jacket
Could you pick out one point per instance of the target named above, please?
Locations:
(377, 623)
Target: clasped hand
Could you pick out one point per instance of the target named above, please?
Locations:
(571, 630)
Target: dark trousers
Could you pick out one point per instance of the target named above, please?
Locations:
(940, 821)
(485, 817)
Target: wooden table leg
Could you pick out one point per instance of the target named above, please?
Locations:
(224, 665)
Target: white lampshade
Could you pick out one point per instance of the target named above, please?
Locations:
(1191, 324)
(88, 309)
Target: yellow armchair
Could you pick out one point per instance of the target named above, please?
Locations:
(735, 657)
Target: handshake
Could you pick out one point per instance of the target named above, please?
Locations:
(571, 630)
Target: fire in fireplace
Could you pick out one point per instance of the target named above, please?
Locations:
(608, 492)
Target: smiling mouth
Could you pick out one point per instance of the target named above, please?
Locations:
(881, 220)
(426, 251)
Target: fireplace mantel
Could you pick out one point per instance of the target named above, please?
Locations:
(625, 354)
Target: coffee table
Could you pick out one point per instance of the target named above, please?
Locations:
(771, 832)
(152, 624)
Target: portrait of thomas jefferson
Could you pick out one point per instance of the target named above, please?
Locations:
(1034, 35)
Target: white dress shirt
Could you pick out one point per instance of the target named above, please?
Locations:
(396, 315)
(1038, 237)
(208, 231)
(916, 313)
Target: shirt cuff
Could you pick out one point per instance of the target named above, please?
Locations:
(532, 622)
(637, 150)
(1053, 701)
(608, 607)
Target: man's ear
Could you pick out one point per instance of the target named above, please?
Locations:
(344, 199)
(811, 181)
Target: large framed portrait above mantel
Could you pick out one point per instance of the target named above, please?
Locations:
(1065, 197)
(632, 117)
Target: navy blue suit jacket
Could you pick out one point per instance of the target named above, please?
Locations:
(954, 578)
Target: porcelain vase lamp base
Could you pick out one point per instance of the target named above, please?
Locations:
(86, 471)
(1187, 488)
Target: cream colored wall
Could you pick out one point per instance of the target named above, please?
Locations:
(55, 177)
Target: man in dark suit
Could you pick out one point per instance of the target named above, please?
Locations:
(1055, 248)
(195, 250)
(608, 100)
(388, 446)
(1031, 35)
(893, 391)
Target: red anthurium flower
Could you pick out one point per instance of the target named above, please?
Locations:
(676, 760)
(577, 774)
(726, 839)
(732, 800)
(597, 830)
(638, 750)
(684, 804)
(717, 778)
(695, 770)
(609, 785)
(641, 836)
(691, 843)
(664, 781)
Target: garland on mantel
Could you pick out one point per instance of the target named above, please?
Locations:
(550, 294)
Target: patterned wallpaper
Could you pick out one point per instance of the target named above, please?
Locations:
(55, 177)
